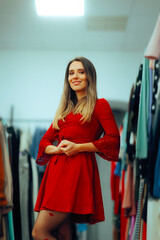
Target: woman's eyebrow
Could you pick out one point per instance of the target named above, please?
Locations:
(80, 69)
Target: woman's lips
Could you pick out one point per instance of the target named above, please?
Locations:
(76, 82)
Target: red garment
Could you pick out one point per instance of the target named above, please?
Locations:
(113, 181)
(144, 232)
(71, 184)
(129, 200)
(117, 196)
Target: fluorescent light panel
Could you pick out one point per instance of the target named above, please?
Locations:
(60, 7)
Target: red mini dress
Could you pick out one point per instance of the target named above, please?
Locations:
(72, 184)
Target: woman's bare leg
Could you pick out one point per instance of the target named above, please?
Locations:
(64, 230)
(46, 222)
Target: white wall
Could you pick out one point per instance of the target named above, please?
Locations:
(33, 81)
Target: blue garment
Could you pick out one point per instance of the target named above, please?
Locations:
(156, 186)
(35, 142)
(117, 170)
(35, 146)
(82, 227)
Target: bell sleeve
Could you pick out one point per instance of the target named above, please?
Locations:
(109, 144)
(48, 139)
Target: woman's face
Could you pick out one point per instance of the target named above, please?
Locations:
(78, 79)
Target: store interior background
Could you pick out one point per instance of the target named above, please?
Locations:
(34, 52)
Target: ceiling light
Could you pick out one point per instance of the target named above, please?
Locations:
(60, 7)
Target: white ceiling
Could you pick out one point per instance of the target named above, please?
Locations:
(22, 29)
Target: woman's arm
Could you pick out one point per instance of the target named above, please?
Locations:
(51, 149)
(47, 140)
(108, 145)
(71, 148)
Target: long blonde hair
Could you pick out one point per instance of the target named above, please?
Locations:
(69, 100)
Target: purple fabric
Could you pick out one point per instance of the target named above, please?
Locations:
(133, 219)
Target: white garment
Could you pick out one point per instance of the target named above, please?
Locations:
(82, 235)
(153, 49)
(24, 187)
(35, 184)
(25, 140)
(153, 219)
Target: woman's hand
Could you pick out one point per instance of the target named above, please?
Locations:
(51, 149)
(57, 150)
(69, 148)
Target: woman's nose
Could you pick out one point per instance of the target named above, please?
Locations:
(75, 75)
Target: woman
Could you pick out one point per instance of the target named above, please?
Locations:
(70, 188)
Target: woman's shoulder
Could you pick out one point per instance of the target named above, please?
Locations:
(101, 102)
(102, 106)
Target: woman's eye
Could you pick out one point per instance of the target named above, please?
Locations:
(82, 72)
(70, 73)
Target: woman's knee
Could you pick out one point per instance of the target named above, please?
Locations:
(37, 233)
(34, 234)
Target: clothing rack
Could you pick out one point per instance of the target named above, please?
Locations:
(22, 120)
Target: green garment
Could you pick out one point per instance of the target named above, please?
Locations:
(143, 115)
(10, 226)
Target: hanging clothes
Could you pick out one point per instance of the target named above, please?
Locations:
(14, 140)
(155, 129)
(8, 187)
(3, 200)
(6, 203)
(142, 127)
(25, 142)
(142, 174)
(137, 227)
(156, 186)
(38, 134)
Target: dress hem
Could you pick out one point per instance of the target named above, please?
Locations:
(87, 217)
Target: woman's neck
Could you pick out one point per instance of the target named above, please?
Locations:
(80, 96)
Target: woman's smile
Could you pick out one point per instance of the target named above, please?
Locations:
(76, 82)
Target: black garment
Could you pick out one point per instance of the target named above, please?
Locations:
(30, 197)
(130, 146)
(134, 102)
(133, 108)
(155, 85)
(14, 141)
(144, 211)
(154, 135)
(154, 143)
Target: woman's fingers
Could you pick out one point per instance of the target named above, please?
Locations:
(69, 148)
(65, 149)
(64, 143)
(58, 150)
